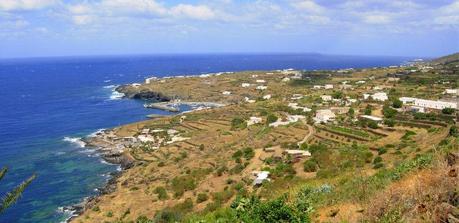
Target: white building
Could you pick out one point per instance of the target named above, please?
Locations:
(324, 115)
(248, 100)
(297, 152)
(267, 97)
(372, 118)
(253, 121)
(297, 96)
(428, 103)
(326, 97)
(261, 87)
(260, 81)
(226, 92)
(328, 86)
(260, 177)
(380, 96)
(317, 87)
(296, 107)
(451, 91)
(290, 119)
(245, 85)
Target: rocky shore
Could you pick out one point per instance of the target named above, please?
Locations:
(133, 92)
(111, 153)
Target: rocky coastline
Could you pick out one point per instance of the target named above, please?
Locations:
(133, 92)
(111, 154)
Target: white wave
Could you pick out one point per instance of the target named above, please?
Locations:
(106, 81)
(113, 86)
(94, 134)
(75, 140)
(116, 95)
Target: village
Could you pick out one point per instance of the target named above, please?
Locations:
(274, 129)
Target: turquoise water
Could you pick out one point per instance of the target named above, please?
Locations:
(44, 101)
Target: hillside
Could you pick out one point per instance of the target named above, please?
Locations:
(447, 59)
(206, 165)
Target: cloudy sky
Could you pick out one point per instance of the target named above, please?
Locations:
(30, 28)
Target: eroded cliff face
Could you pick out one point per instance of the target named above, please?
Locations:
(142, 94)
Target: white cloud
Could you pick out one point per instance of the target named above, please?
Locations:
(14, 5)
(309, 6)
(375, 18)
(200, 12)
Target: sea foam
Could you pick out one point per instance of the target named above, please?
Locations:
(75, 140)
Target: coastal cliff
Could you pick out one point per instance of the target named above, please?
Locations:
(142, 94)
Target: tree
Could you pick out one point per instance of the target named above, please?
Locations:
(448, 111)
(271, 118)
(389, 112)
(397, 103)
(351, 112)
(368, 110)
(14, 195)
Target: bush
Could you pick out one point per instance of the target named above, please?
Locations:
(182, 184)
(310, 166)
(161, 192)
(238, 123)
(453, 131)
(389, 122)
(202, 197)
(378, 165)
(448, 111)
(377, 159)
(389, 112)
(271, 118)
(368, 110)
(248, 153)
(382, 150)
(373, 124)
(397, 103)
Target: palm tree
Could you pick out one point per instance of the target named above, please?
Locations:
(11, 197)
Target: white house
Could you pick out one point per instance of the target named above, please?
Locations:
(451, 91)
(324, 115)
(253, 121)
(245, 85)
(360, 82)
(260, 81)
(380, 96)
(226, 92)
(296, 107)
(248, 100)
(328, 86)
(260, 177)
(372, 118)
(297, 96)
(317, 87)
(326, 97)
(428, 103)
(267, 97)
(261, 87)
(290, 119)
(297, 152)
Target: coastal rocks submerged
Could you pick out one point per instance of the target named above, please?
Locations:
(142, 94)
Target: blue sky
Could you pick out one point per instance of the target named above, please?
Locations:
(31, 28)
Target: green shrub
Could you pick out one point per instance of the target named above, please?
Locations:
(310, 166)
(202, 197)
(373, 124)
(382, 150)
(377, 159)
(182, 184)
(161, 192)
(238, 123)
(397, 103)
(448, 111)
(271, 118)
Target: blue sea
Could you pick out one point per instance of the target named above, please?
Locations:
(47, 104)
